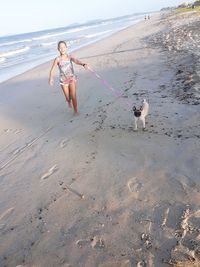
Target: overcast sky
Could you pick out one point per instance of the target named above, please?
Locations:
(19, 16)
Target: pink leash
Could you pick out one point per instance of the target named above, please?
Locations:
(116, 92)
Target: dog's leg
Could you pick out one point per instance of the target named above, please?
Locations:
(143, 123)
(135, 122)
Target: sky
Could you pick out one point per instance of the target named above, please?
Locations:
(21, 16)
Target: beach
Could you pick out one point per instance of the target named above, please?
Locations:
(87, 190)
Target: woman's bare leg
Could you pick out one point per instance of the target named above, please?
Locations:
(72, 93)
(65, 89)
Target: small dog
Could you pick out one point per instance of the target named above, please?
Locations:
(140, 114)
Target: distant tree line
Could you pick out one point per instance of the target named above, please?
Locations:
(166, 8)
(197, 3)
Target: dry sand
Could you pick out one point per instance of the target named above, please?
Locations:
(88, 191)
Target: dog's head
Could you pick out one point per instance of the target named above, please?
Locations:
(137, 111)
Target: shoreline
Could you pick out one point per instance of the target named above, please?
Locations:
(88, 191)
(5, 77)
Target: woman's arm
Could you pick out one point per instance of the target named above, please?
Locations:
(77, 61)
(52, 71)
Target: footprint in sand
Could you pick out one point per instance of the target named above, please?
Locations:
(97, 242)
(134, 186)
(7, 130)
(6, 214)
(166, 214)
(146, 241)
(187, 250)
(64, 143)
(82, 242)
(17, 131)
(49, 172)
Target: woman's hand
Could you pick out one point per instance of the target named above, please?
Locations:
(50, 81)
(85, 66)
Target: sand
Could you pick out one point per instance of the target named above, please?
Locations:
(88, 191)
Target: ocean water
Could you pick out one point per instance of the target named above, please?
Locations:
(19, 53)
